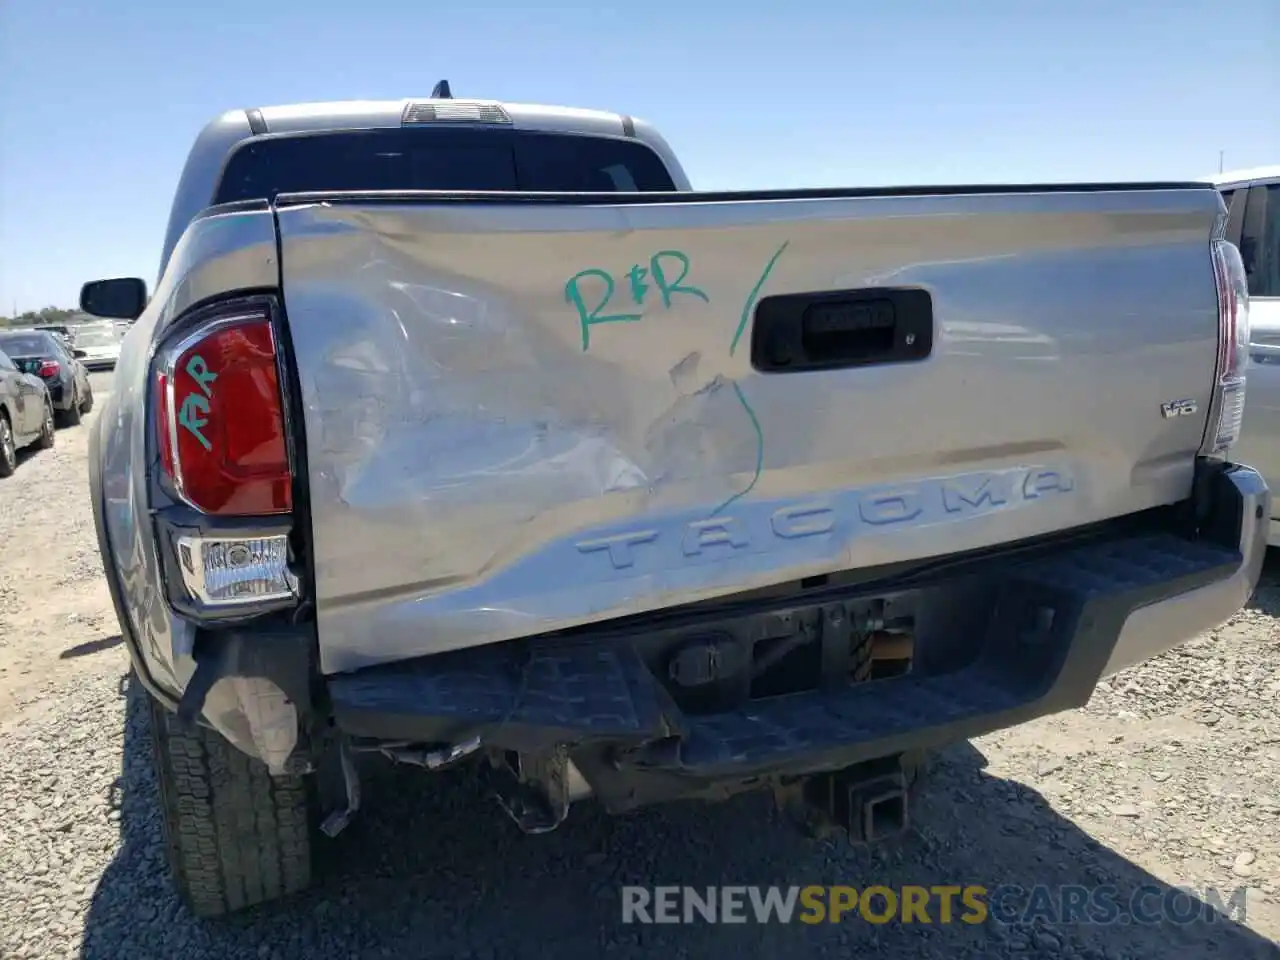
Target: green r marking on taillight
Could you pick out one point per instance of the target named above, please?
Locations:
(193, 414)
(199, 371)
(191, 417)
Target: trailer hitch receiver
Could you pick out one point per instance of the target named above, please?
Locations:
(867, 801)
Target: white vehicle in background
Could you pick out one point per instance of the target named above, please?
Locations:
(98, 346)
(1253, 225)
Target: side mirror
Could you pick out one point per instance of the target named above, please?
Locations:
(123, 297)
(79, 354)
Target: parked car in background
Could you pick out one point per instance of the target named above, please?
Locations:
(26, 414)
(65, 340)
(66, 331)
(1253, 225)
(98, 346)
(39, 352)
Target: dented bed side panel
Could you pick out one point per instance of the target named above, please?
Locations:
(522, 417)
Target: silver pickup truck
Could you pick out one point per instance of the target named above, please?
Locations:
(466, 433)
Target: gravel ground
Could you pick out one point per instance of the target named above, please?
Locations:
(1170, 776)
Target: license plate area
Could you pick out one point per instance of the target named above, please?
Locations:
(725, 664)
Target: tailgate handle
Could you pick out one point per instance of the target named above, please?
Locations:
(848, 330)
(845, 328)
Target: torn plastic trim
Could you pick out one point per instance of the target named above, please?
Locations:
(254, 688)
(536, 792)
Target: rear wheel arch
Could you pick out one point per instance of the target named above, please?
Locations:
(167, 697)
(48, 433)
(71, 415)
(8, 446)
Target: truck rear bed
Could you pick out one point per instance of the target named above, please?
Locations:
(494, 451)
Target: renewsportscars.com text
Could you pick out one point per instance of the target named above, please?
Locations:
(937, 904)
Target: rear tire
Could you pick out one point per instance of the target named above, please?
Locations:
(47, 433)
(236, 836)
(71, 415)
(88, 403)
(8, 447)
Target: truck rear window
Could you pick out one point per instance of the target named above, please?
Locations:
(439, 159)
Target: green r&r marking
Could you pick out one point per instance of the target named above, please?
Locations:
(660, 276)
(737, 390)
(587, 318)
(754, 295)
(657, 274)
(635, 276)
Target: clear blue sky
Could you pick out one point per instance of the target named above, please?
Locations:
(99, 100)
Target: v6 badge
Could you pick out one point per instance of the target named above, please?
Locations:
(1178, 408)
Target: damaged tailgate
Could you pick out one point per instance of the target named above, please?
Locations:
(529, 412)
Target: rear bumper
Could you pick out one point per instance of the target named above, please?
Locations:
(1245, 506)
(99, 363)
(1059, 620)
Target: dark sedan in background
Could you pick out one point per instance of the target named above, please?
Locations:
(26, 415)
(42, 353)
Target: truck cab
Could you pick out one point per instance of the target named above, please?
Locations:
(434, 144)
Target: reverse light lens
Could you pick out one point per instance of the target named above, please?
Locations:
(221, 419)
(1231, 417)
(226, 571)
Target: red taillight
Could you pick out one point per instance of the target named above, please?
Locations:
(49, 368)
(1230, 356)
(1233, 345)
(220, 421)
